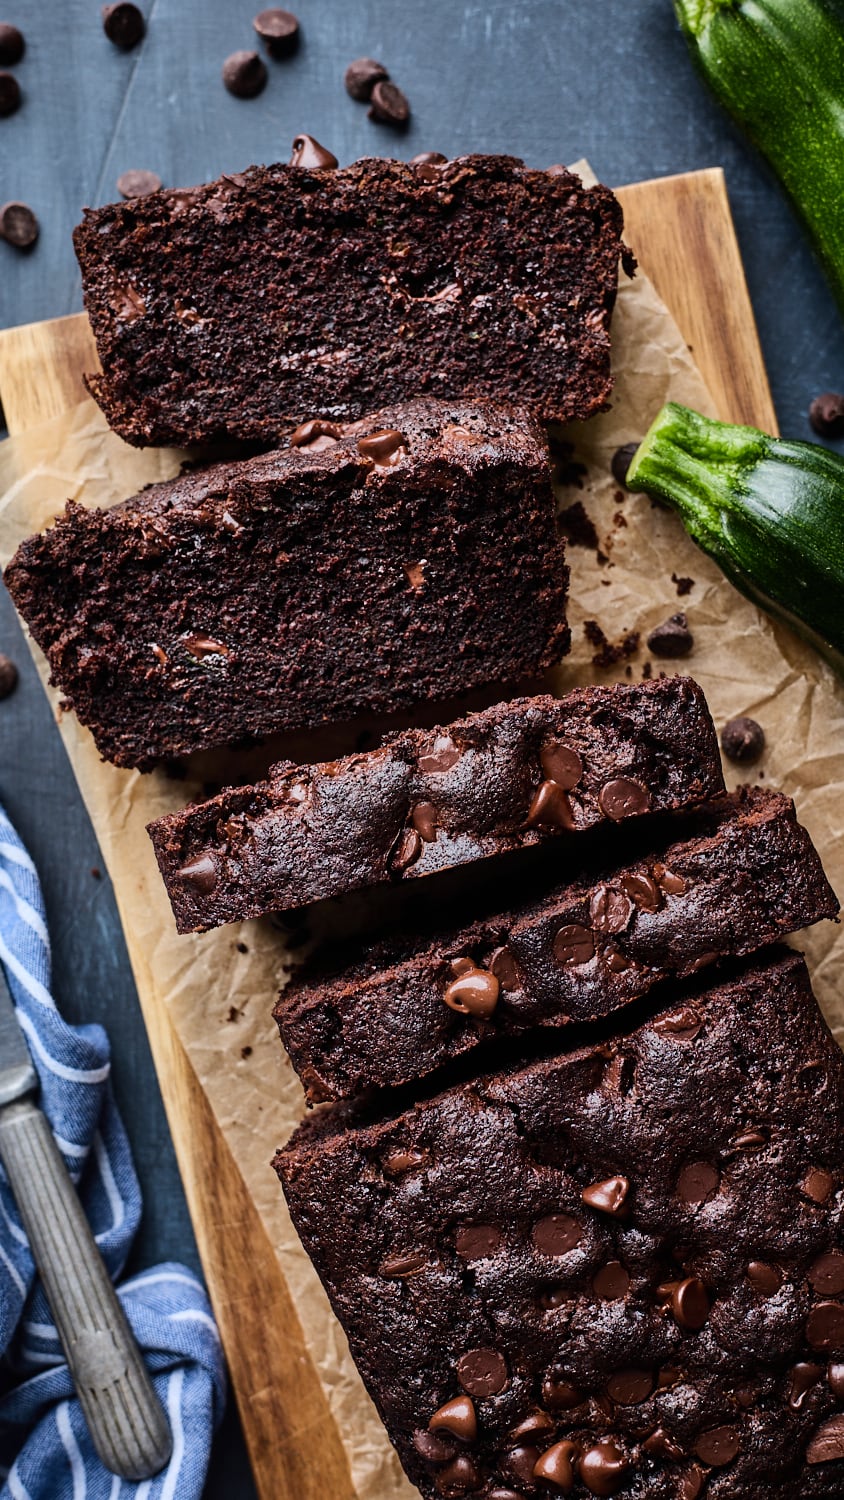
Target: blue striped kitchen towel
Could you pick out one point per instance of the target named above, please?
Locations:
(45, 1450)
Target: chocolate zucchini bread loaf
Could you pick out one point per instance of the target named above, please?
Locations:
(413, 557)
(236, 309)
(617, 1272)
(427, 800)
(397, 1010)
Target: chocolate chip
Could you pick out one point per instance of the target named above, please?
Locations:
(603, 1468)
(561, 764)
(827, 1444)
(278, 30)
(623, 798)
(556, 1465)
(684, 1023)
(406, 850)
(616, 962)
(433, 1448)
(503, 965)
(630, 1387)
(201, 646)
(697, 1182)
(201, 873)
(384, 449)
(444, 755)
(826, 1274)
(690, 1484)
(556, 1234)
(718, 1446)
(244, 74)
(316, 435)
(609, 1196)
(535, 1424)
(689, 1303)
(743, 740)
(458, 1477)
(11, 45)
(573, 946)
(826, 415)
(477, 1241)
(560, 1394)
(8, 676)
(765, 1279)
(10, 94)
(550, 807)
(124, 25)
(361, 77)
(612, 1282)
(308, 153)
(662, 1445)
(424, 820)
(835, 1378)
(520, 1462)
(457, 1417)
(747, 1140)
(482, 1372)
(428, 159)
(803, 1377)
(671, 884)
(138, 183)
(398, 1162)
(399, 1266)
(388, 104)
(500, 1493)
(610, 910)
(621, 461)
(473, 993)
(672, 638)
(817, 1185)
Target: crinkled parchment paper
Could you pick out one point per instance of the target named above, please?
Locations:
(219, 997)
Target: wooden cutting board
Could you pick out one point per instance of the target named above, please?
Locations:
(682, 232)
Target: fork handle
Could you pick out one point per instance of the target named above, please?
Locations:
(124, 1415)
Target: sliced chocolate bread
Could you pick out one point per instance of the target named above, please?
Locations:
(413, 557)
(237, 309)
(396, 1010)
(512, 776)
(617, 1272)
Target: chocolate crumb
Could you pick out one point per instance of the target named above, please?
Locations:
(241, 948)
(96, 872)
(603, 557)
(826, 415)
(684, 585)
(608, 652)
(577, 526)
(8, 676)
(672, 638)
(742, 740)
(234, 1013)
(245, 1052)
(619, 519)
(621, 461)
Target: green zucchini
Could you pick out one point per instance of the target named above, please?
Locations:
(770, 512)
(778, 67)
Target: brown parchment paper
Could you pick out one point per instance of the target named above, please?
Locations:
(220, 998)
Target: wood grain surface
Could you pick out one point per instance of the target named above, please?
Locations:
(681, 230)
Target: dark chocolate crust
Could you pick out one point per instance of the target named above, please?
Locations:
(304, 586)
(429, 800)
(235, 309)
(750, 876)
(636, 1248)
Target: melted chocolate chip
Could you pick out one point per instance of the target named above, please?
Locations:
(399, 1162)
(630, 1387)
(684, 1024)
(315, 434)
(406, 851)
(803, 1378)
(201, 873)
(671, 884)
(573, 945)
(550, 807)
(817, 1185)
(200, 646)
(474, 992)
(398, 1266)
(434, 1448)
(477, 1241)
(718, 1446)
(662, 1445)
(536, 1424)
(826, 1274)
(459, 1477)
(697, 1182)
(689, 1303)
(503, 965)
(609, 1196)
(556, 1234)
(520, 1462)
(244, 74)
(308, 153)
(610, 910)
(603, 1468)
(765, 1279)
(424, 820)
(827, 1444)
(457, 1417)
(561, 764)
(384, 449)
(623, 798)
(690, 1484)
(556, 1465)
(643, 892)
(482, 1372)
(612, 1282)
(444, 755)
(428, 159)
(560, 1394)
(617, 962)
(825, 1326)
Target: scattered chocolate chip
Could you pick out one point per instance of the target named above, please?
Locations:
(803, 1377)
(503, 965)
(482, 1372)
(278, 30)
(388, 104)
(473, 992)
(608, 652)
(138, 183)
(124, 25)
(643, 892)
(384, 449)
(556, 1465)
(621, 461)
(765, 1279)
(697, 1182)
(308, 153)
(630, 1387)
(361, 77)
(609, 1196)
(11, 45)
(826, 415)
(457, 1417)
(396, 1163)
(577, 526)
(10, 94)
(826, 1274)
(8, 676)
(477, 1241)
(610, 910)
(550, 807)
(623, 798)
(561, 764)
(603, 1468)
(573, 945)
(827, 1444)
(556, 1234)
(201, 873)
(683, 585)
(689, 1303)
(817, 1185)
(398, 1266)
(743, 740)
(718, 1446)
(672, 638)
(244, 74)
(612, 1282)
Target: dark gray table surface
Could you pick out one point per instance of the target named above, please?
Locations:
(548, 80)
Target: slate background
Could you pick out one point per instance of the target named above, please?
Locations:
(548, 80)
